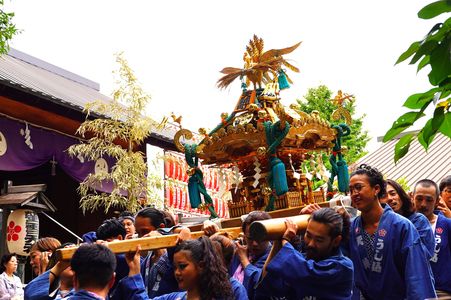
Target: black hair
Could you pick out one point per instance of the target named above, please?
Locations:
(156, 216)
(110, 228)
(168, 219)
(213, 280)
(407, 208)
(338, 222)
(5, 259)
(374, 177)
(93, 265)
(444, 183)
(256, 215)
(126, 214)
(428, 183)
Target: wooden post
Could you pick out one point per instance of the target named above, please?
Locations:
(273, 229)
(147, 243)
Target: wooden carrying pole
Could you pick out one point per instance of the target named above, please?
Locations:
(273, 229)
(280, 213)
(147, 243)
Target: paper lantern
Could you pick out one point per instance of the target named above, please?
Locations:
(167, 168)
(22, 231)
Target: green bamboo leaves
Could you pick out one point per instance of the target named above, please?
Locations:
(117, 133)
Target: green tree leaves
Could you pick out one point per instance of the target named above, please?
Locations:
(402, 123)
(402, 146)
(434, 9)
(433, 50)
(318, 99)
(7, 29)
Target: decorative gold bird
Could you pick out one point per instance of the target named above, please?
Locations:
(341, 112)
(259, 67)
(176, 119)
(341, 98)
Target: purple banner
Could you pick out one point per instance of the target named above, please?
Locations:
(24, 147)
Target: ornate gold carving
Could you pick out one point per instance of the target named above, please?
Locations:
(182, 133)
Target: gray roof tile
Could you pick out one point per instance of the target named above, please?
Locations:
(32, 75)
(418, 164)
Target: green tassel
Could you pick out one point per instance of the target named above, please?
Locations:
(279, 176)
(283, 81)
(343, 176)
(243, 86)
(193, 191)
(270, 206)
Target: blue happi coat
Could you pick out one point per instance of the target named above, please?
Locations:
(238, 289)
(38, 289)
(132, 288)
(441, 260)
(159, 278)
(424, 229)
(399, 268)
(291, 276)
(252, 271)
(84, 295)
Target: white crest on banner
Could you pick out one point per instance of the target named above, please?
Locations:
(101, 166)
(3, 144)
(26, 134)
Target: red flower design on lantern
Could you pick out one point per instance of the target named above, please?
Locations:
(13, 231)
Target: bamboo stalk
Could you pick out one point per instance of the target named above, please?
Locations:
(147, 243)
(273, 229)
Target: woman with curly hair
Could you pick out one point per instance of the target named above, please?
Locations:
(199, 270)
(389, 261)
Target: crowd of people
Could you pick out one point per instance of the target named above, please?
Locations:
(398, 247)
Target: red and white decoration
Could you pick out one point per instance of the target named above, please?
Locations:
(176, 186)
(22, 231)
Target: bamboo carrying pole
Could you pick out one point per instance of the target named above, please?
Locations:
(280, 213)
(147, 243)
(273, 229)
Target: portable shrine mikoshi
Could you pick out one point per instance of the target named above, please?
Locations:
(265, 143)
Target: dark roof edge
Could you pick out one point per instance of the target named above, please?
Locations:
(54, 69)
(381, 138)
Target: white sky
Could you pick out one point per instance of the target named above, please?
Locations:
(177, 48)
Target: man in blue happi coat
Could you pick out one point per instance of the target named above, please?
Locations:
(321, 272)
(426, 196)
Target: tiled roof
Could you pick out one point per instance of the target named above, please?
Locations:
(32, 75)
(53, 83)
(418, 164)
